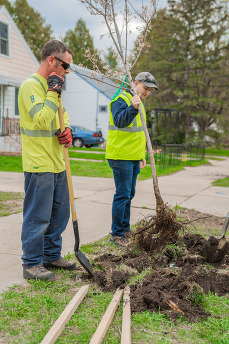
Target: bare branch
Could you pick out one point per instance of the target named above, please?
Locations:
(126, 30)
(117, 31)
(148, 25)
(146, 17)
(92, 76)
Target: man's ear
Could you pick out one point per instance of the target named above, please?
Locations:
(136, 83)
(51, 60)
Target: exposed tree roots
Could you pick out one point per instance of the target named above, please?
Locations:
(154, 232)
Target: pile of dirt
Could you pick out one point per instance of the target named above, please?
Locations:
(178, 291)
(174, 284)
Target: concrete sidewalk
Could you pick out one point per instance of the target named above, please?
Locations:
(190, 188)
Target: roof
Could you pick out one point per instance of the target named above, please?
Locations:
(10, 82)
(106, 86)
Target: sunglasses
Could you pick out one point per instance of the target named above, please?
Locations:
(150, 80)
(65, 65)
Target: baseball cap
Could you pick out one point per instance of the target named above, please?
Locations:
(147, 79)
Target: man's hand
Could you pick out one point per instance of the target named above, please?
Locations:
(55, 83)
(64, 138)
(142, 163)
(136, 100)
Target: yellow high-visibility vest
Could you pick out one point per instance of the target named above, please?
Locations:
(39, 120)
(127, 143)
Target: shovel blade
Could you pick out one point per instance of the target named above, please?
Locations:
(79, 254)
(215, 249)
(84, 262)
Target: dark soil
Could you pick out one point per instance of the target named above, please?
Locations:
(176, 280)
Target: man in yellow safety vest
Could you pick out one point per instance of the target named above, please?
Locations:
(46, 207)
(125, 151)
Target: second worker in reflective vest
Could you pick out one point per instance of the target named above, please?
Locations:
(125, 151)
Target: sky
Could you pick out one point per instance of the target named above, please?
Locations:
(63, 15)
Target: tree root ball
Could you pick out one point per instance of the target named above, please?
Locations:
(153, 233)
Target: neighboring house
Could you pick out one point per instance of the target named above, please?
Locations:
(87, 100)
(17, 62)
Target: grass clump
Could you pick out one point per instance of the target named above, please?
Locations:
(221, 182)
(10, 203)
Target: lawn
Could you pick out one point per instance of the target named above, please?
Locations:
(10, 203)
(29, 310)
(96, 168)
(221, 182)
(217, 152)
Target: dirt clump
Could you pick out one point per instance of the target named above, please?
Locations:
(184, 287)
(175, 281)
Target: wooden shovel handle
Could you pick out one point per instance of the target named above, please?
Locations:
(67, 163)
(225, 226)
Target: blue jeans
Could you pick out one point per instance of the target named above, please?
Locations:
(46, 212)
(125, 176)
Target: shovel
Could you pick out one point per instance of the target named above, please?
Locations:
(79, 255)
(215, 249)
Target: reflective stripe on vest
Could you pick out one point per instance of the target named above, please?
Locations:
(38, 107)
(38, 133)
(35, 78)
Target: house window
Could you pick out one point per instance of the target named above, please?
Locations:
(103, 108)
(16, 101)
(4, 39)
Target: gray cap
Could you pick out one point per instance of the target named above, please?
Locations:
(147, 79)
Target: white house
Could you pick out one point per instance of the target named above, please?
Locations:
(17, 62)
(86, 99)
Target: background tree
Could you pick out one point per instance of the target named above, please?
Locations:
(8, 5)
(111, 58)
(30, 23)
(189, 56)
(164, 224)
(79, 40)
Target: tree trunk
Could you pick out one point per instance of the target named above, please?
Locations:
(187, 128)
(159, 200)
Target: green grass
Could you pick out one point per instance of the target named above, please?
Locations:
(214, 151)
(9, 204)
(102, 169)
(5, 196)
(28, 311)
(221, 182)
(11, 163)
(90, 168)
(87, 149)
(79, 155)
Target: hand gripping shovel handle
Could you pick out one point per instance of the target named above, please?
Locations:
(79, 255)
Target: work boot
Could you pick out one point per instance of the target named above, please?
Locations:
(119, 241)
(128, 234)
(38, 272)
(61, 264)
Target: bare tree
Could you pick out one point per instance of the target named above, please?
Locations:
(111, 11)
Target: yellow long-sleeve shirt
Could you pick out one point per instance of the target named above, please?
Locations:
(41, 151)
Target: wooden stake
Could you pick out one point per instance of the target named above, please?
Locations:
(59, 325)
(101, 330)
(174, 306)
(126, 318)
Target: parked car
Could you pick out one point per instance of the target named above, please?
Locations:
(85, 137)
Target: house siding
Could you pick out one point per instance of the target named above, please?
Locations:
(20, 63)
(9, 105)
